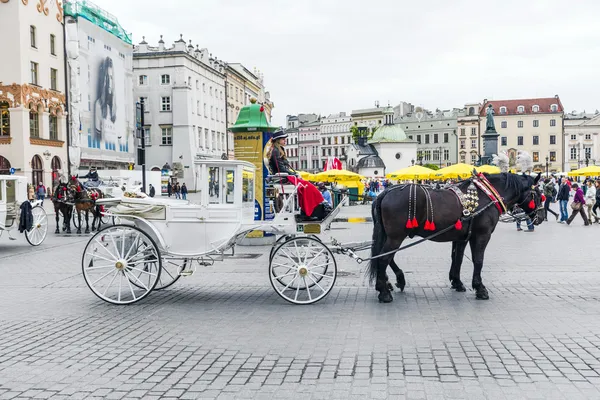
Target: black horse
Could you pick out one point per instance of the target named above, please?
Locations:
(63, 205)
(391, 216)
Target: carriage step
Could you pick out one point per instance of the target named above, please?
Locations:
(186, 273)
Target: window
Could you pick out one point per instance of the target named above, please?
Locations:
(520, 140)
(427, 155)
(212, 112)
(53, 127)
(520, 109)
(573, 137)
(552, 156)
(426, 139)
(436, 155)
(204, 87)
(210, 91)
(166, 136)
(205, 113)
(53, 78)
(573, 153)
(536, 140)
(165, 79)
(536, 156)
(471, 110)
(197, 84)
(473, 131)
(588, 136)
(4, 119)
(147, 136)
(32, 36)
(53, 45)
(503, 124)
(588, 152)
(324, 152)
(504, 141)
(143, 80)
(535, 108)
(536, 123)
(502, 110)
(462, 131)
(419, 139)
(446, 154)
(462, 143)
(445, 138)
(462, 157)
(34, 73)
(34, 123)
(552, 122)
(473, 143)
(165, 102)
(473, 158)
(435, 138)
(552, 139)
(519, 124)
(554, 107)
(198, 107)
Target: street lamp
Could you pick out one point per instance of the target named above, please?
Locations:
(547, 159)
(412, 161)
(587, 160)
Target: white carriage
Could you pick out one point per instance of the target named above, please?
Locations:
(13, 193)
(164, 239)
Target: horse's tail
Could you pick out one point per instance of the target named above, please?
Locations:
(379, 235)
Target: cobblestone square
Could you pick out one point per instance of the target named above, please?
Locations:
(224, 333)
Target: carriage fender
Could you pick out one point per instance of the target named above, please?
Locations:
(149, 230)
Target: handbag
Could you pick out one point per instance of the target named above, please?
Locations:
(576, 206)
(590, 202)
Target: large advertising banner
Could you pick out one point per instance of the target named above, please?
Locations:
(249, 146)
(107, 97)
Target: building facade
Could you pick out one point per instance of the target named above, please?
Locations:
(469, 134)
(435, 134)
(533, 125)
(581, 140)
(33, 109)
(183, 88)
(309, 140)
(292, 150)
(100, 79)
(335, 136)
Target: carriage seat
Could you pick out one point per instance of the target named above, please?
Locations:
(279, 179)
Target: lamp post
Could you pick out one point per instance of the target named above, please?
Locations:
(547, 159)
(412, 161)
(587, 160)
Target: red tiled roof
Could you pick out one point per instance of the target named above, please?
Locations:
(544, 104)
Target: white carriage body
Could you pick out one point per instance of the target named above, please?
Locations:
(13, 193)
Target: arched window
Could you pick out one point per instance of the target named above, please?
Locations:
(554, 107)
(502, 110)
(56, 166)
(471, 110)
(4, 119)
(34, 122)
(37, 170)
(521, 109)
(4, 166)
(535, 108)
(53, 124)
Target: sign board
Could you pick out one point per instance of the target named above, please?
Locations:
(138, 116)
(12, 171)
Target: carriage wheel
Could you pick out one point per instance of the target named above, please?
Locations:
(283, 239)
(170, 272)
(303, 270)
(36, 235)
(117, 256)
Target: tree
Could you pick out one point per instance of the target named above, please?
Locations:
(355, 133)
(432, 166)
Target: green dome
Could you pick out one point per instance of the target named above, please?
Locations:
(252, 119)
(389, 133)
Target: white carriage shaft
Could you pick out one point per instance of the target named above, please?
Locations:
(13, 193)
(180, 234)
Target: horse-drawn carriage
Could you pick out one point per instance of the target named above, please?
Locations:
(162, 239)
(17, 201)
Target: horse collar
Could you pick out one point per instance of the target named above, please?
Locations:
(486, 187)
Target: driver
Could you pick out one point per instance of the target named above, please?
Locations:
(92, 177)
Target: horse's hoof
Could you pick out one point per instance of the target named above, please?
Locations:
(385, 297)
(482, 294)
(87, 231)
(401, 284)
(57, 231)
(78, 231)
(458, 286)
(390, 286)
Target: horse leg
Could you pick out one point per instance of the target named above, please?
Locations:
(478, 245)
(57, 212)
(87, 221)
(67, 215)
(400, 281)
(458, 252)
(385, 295)
(79, 221)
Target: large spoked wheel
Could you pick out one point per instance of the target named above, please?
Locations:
(170, 272)
(36, 235)
(117, 256)
(302, 270)
(283, 239)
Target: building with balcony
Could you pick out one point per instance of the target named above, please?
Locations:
(183, 88)
(533, 125)
(581, 140)
(33, 128)
(468, 134)
(309, 140)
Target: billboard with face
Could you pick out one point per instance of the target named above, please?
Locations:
(107, 105)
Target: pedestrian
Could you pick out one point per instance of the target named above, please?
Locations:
(519, 211)
(549, 192)
(169, 189)
(152, 191)
(177, 191)
(184, 191)
(577, 205)
(40, 192)
(563, 200)
(325, 193)
(597, 204)
(590, 200)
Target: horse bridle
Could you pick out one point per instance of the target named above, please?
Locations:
(522, 205)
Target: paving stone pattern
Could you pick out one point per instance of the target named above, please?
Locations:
(223, 333)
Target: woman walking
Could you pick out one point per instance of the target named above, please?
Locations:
(577, 205)
(590, 200)
(550, 193)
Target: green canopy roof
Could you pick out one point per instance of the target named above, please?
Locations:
(251, 119)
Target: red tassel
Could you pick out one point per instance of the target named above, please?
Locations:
(408, 224)
(427, 226)
(415, 224)
(543, 198)
(532, 204)
(432, 226)
(458, 225)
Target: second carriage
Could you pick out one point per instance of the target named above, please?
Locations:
(162, 240)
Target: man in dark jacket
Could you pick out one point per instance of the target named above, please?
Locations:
(549, 192)
(563, 199)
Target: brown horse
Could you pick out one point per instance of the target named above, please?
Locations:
(63, 204)
(85, 202)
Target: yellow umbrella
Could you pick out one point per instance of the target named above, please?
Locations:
(414, 172)
(307, 176)
(592, 170)
(459, 170)
(337, 175)
(488, 169)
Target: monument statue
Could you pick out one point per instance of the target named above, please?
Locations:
(489, 122)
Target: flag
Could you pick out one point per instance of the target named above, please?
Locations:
(332, 163)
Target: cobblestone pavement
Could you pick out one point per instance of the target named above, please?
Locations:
(224, 333)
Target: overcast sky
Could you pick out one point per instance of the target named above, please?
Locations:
(326, 56)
